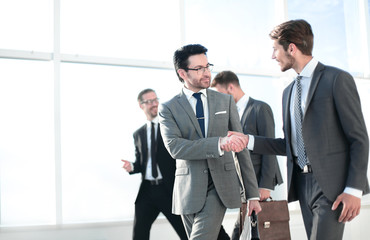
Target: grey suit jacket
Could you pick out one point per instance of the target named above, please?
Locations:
(334, 134)
(195, 155)
(258, 119)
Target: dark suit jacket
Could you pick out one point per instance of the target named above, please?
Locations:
(166, 163)
(258, 119)
(334, 134)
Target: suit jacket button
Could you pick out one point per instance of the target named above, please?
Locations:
(205, 171)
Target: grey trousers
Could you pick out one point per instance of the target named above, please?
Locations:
(205, 224)
(320, 221)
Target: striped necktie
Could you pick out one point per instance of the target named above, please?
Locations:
(298, 117)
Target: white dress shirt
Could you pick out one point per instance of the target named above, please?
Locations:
(242, 104)
(193, 102)
(148, 172)
(306, 74)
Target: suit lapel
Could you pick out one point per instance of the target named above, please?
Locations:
(144, 146)
(211, 110)
(247, 110)
(184, 103)
(315, 80)
(286, 109)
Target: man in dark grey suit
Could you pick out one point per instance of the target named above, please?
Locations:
(193, 124)
(256, 119)
(325, 141)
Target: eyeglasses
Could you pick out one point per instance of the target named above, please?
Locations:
(201, 70)
(150, 101)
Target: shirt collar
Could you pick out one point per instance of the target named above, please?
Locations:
(149, 123)
(309, 68)
(188, 93)
(243, 101)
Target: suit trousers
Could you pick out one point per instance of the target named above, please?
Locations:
(320, 221)
(206, 224)
(153, 200)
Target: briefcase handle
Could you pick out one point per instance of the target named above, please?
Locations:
(254, 227)
(269, 199)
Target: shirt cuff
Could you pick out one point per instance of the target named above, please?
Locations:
(250, 145)
(266, 189)
(353, 191)
(255, 198)
(220, 151)
(132, 166)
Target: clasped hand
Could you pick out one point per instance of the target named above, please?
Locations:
(234, 141)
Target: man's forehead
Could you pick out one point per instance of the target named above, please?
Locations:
(149, 94)
(198, 60)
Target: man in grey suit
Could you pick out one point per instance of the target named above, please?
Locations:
(325, 141)
(192, 125)
(256, 119)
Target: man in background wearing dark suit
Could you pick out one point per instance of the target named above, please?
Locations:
(325, 137)
(158, 173)
(257, 119)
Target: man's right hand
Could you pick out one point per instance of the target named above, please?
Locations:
(245, 137)
(126, 165)
(233, 143)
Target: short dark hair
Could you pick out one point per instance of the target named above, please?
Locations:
(140, 96)
(298, 32)
(225, 77)
(181, 56)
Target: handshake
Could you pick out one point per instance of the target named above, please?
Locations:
(234, 141)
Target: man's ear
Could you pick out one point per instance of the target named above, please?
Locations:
(292, 48)
(140, 105)
(182, 73)
(230, 87)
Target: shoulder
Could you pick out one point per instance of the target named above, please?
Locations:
(259, 104)
(221, 96)
(167, 104)
(331, 70)
(140, 130)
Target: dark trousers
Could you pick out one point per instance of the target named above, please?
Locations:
(152, 200)
(320, 221)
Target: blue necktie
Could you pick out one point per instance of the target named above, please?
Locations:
(298, 117)
(199, 111)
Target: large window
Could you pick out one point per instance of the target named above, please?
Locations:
(340, 35)
(26, 143)
(99, 114)
(26, 25)
(235, 33)
(71, 71)
(140, 29)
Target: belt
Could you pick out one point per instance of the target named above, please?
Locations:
(155, 182)
(306, 168)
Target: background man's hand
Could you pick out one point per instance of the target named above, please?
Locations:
(264, 194)
(126, 165)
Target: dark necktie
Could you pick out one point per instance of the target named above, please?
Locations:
(199, 112)
(298, 117)
(153, 150)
